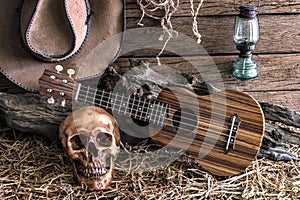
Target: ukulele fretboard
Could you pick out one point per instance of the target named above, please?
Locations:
(146, 110)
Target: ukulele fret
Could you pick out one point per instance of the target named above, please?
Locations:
(77, 92)
(126, 106)
(155, 115)
(150, 115)
(137, 108)
(132, 106)
(165, 115)
(101, 98)
(108, 100)
(161, 114)
(94, 97)
(121, 103)
(87, 93)
(141, 115)
(113, 101)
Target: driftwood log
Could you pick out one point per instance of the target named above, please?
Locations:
(32, 114)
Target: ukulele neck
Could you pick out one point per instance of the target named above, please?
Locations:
(145, 110)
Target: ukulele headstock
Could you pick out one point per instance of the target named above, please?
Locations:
(56, 85)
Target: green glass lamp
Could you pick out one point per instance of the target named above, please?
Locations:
(246, 35)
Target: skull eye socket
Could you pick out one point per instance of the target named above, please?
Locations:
(76, 143)
(104, 139)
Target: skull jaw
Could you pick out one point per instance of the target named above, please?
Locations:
(95, 184)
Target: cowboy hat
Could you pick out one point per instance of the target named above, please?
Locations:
(36, 33)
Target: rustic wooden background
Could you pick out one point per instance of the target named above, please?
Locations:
(277, 53)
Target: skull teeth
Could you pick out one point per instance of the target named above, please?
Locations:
(93, 172)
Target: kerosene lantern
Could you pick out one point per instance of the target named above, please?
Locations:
(246, 35)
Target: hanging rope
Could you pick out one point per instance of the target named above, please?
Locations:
(195, 22)
(151, 9)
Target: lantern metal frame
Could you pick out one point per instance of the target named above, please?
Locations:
(245, 67)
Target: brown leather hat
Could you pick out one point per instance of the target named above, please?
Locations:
(36, 33)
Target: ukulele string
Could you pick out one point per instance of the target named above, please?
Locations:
(214, 132)
(133, 109)
(132, 103)
(188, 130)
(128, 98)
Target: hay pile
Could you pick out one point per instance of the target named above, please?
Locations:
(32, 167)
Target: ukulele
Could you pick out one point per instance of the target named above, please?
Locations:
(223, 131)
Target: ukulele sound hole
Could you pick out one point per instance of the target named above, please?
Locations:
(185, 120)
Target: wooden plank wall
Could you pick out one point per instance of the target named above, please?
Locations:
(277, 53)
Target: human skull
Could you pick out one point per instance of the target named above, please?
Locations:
(91, 139)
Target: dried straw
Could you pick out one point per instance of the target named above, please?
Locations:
(34, 168)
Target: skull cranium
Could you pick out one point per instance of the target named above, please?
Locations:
(91, 139)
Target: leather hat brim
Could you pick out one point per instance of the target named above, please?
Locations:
(21, 67)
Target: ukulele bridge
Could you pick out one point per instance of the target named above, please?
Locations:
(235, 123)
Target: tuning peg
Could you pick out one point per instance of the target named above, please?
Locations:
(59, 68)
(63, 103)
(71, 72)
(51, 100)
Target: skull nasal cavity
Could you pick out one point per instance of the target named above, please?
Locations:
(93, 151)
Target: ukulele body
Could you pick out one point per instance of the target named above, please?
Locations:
(204, 127)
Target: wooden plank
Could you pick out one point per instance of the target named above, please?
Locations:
(277, 72)
(222, 7)
(278, 81)
(278, 34)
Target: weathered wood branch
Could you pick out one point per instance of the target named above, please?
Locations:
(280, 114)
(30, 113)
